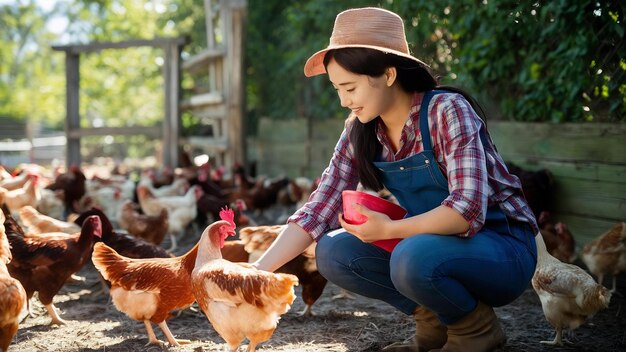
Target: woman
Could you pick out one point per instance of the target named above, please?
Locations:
(468, 239)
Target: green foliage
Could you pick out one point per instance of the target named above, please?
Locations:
(554, 61)
(557, 61)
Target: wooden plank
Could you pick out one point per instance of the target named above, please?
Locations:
(591, 171)
(151, 131)
(97, 46)
(201, 61)
(595, 199)
(561, 142)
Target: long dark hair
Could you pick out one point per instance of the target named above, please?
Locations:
(412, 77)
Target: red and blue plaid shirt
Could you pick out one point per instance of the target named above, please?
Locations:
(477, 176)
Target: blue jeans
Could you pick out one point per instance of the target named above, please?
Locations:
(446, 274)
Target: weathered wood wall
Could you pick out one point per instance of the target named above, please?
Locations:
(588, 162)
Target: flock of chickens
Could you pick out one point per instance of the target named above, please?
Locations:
(40, 252)
(54, 223)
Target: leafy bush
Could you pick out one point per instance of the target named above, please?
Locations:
(556, 61)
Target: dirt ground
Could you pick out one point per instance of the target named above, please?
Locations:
(359, 324)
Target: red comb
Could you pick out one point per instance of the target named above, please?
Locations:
(228, 215)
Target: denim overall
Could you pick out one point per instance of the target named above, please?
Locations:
(446, 274)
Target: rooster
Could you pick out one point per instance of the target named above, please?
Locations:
(606, 255)
(12, 294)
(568, 294)
(148, 289)
(44, 264)
(239, 300)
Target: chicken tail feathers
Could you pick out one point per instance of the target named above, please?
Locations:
(108, 262)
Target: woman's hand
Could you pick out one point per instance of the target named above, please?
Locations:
(374, 229)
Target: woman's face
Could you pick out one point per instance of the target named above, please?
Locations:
(366, 96)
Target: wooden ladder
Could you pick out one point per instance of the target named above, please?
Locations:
(218, 101)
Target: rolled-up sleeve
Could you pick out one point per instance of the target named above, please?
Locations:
(319, 215)
(459, 131)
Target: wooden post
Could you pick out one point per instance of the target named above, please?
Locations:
(72, 93)
(171, 121)
(235, 29)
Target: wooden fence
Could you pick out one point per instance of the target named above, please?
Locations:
(588, 162)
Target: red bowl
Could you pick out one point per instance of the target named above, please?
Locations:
(372, 202)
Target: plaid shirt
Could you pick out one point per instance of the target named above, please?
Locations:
(477, 176)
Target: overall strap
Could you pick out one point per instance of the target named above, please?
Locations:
(424, 129)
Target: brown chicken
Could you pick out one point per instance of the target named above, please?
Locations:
(558, 239)
(568, 294)
(72, 185)
(151, 228)
(257, 239)
(239, 300)
(36, 222)
(44, 264)
(148, 290)
(606, 255)
(12, 294)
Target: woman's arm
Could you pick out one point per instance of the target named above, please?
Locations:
(292, 241)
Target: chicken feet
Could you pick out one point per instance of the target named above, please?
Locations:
(152, 340)
(558, 339)
(56, 319)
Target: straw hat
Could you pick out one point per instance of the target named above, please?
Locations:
(368, 27)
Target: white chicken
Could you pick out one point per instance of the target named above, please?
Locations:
(239, 300)
(182, 210)
(568, 294)
(35, 222)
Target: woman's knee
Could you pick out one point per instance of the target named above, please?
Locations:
(411, 265)
(330, 254)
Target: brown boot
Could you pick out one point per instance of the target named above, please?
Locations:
(479, 331)
(429, 333)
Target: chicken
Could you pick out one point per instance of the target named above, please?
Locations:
(606, 255)
(12, 294)
(178, 187)
(558, 239)
(72, 185)
(44, 264)
(150, 289)
(538, 187)
(182, 210)
(15, 182)
(123, 243)
(239, 300)
(257, 239)
(36, 222)
(151, 228)
(17, 198)
(4, 174)
(568, 294)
